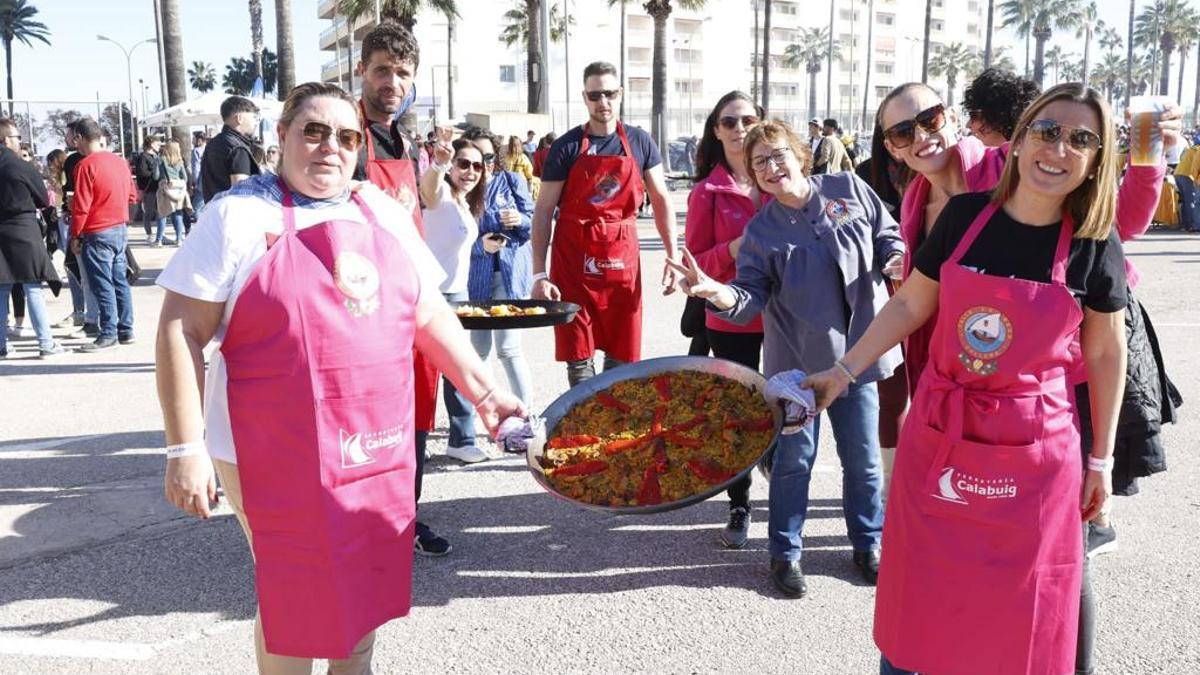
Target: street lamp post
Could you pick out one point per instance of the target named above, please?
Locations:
(129, 77)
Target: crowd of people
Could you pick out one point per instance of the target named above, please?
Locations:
(959, 299)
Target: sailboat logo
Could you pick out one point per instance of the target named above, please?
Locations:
(352, 451)
(946, 487)
(985, 333)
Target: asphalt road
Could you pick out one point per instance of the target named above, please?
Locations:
(99, 575)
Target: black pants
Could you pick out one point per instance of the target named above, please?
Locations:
(18, 303)
(746, 349)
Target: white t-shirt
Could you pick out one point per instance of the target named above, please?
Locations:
(450, 231)
(229, 239)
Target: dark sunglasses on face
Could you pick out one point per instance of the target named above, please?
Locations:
(316, 132)
(463, 164)
(610, 94)
(489, 158)
(730, 122)
(931, 121)
(1050, 131)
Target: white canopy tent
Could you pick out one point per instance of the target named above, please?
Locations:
(205, 110)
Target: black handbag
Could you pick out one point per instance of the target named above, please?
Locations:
(133, 271)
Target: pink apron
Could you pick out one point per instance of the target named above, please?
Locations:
(319, 359)
(982, 551)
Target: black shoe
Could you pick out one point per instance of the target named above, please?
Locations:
(91, 330)
(788, 578)
(99, 345)
(1100, 540)
(427, 543)
(736, 530)
(867, 563)
(126, 339)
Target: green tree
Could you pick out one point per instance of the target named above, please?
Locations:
(953, 59)
(1018, 15)
(1184, 39)
(1054, 60)
(256, 35)
(660, 11)
(172, 35)
(925, 46)
(202, 76)
(812, 50)
(1110, 39)
(284, 48)
(403, 12)
(1161, 23)
(17, 23)
(524, 29)
(1109, 71)
(54, 127)
(240, 74)
(1087, 26)
(621, 65)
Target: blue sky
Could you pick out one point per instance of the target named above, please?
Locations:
(78, 66)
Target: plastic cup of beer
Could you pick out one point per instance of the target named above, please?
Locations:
(512, 214)
(1145, 138)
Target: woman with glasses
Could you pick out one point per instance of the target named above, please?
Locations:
(812, 262)
(317, 295)
(452, 191)
(722, 202)
(982, 553)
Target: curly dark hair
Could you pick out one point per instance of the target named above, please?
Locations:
(998, 97)
(394, 39)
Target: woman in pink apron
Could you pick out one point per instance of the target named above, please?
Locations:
(982, 553)
(317, 295)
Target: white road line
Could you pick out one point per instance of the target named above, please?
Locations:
(1176, 325)
(519, 574)
(76, 649)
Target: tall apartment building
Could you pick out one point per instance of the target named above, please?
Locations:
(709, 52)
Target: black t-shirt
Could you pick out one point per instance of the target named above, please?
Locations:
(1007, 248)
(69, 165)
(566, 149)
(228, 153)
(389, 141)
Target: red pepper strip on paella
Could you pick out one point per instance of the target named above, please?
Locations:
(661, 461)
(581, 469)
(705, 395)
(681, 440)
(609, 401)
(660, 413)
(572, 441)
(662, 384)
(691, 424)
(765, 424)
(650, 492)
(709, 472)
(624, 444)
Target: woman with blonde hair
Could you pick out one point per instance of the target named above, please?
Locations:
(515, 160)
(173, 197)
(983, 553)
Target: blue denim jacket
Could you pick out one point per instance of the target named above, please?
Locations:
(506, 190)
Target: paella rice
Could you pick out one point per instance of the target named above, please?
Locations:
(657, 440)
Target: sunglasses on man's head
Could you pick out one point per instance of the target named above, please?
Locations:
(463, 164)
(730, 122)
(1050, 131)
(317, 132)
(610, 94)
(931, 120)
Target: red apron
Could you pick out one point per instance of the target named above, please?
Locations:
(397, 178)
(982, 551)
(318, 353)
(595, 257)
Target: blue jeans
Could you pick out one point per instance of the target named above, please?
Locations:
(508, 348)
(855, 419)
(886, 668)
(458, 408)
(35, 307)
(104, 264)
(1187, 203)
(176, 220)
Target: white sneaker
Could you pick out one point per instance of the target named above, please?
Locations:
(18, 332)
(468, 454)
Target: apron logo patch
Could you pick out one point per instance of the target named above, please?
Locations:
(404, 195)
(838, 211)
(954, 483)
(354, 446)
(985, 333)
(358, 280)
(607, 187)
(597, 267)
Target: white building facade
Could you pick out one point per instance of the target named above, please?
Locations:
(709, 52)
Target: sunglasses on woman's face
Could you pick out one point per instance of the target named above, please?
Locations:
(464, 164)
(729, 122)
(1049, 132)
(317, 132)
(931, 121)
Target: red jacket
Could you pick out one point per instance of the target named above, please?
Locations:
(103, 192)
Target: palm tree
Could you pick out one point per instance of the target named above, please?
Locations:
(925, 50)
(1054, 58)
(404, 12)
(516, 25)
(240, 75)
(954, 58)
(172, 35)
(812, 50)
(1000, 61)
(829, 63)
(621, 67)
(1072, 71)
(1110, 39)
(1161, 23)
(256, 35)
(202, 76)
(660, 10)
(1109, 71)
(523, 27)
(987, 49)
(17, 23)
(1129, 52)
(765, 99)
(870, 52)
(1187, 36)
(1018, 15)
(1088, 24)
(284, 47)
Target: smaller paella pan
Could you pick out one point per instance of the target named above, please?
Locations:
(655, 435)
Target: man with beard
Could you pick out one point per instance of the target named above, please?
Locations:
(595, 176)
(388, 158)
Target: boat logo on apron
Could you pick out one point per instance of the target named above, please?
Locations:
(355, 445)
(985, 333)
(607, 186)
(358, 280)
(954, 482)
